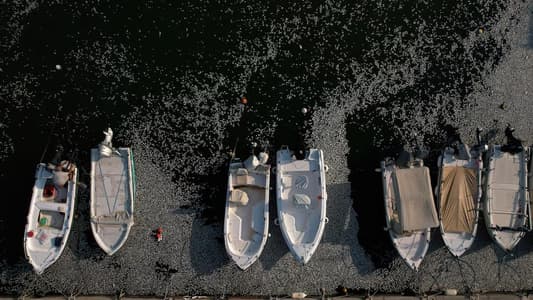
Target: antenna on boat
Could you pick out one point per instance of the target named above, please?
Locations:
(45, 149)
(234, 148)
(481, 145)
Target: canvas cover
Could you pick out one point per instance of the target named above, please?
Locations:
(458, 194)
(507, 182)
(414, 199)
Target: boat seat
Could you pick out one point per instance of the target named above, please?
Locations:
(286, 182)
(51, 219)
(239, 197)
(51, 206)
(119, 218)
(60, 178)
(301, 200)
(250, 181)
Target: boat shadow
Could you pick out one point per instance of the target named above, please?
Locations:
(206, 241)
(81, 240)
(206, 246)
(343, 226)
(275, 247)
(367, 193)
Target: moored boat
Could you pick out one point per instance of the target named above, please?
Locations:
(409, 208)
(301, 200)
(507, 210)
(459, 192)
(50, 214)
(112, 194)
(247, 213)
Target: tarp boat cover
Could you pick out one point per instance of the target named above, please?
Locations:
(410, 211)
(414, 199)
(458, 196)
(506, 190)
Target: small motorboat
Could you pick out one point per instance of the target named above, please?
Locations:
(246, 216)
(301, 199)
(507, 210)
(459, 192)
(112, 194)
(50, 215)
(409, 207)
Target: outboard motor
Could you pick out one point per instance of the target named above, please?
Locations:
(106, 147)
(57, 158)
(421, 153)
(514, 145)
(251, 162)
(463, 152)
(405, 159)
(263, 157)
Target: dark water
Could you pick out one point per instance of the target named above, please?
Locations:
(169, 75)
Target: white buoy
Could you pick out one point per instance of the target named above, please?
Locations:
(304, 110)
(58, 67)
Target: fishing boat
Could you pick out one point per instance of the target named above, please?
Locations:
(50, 214)
(409, 207)
(301, 198)
(246, 216)
(459, 192)
(112, 194)
(507, 210)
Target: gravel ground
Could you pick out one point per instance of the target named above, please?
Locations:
(413, 70)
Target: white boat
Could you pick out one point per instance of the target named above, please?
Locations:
(459, 192)
(409, 209)
(507, 209)
(246, 216)
(112, 194)
(50, 215)
(301, 198)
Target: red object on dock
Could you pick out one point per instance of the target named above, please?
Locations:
(159, 234)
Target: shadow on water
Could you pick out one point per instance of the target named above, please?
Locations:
(367, 191)
(207, 248)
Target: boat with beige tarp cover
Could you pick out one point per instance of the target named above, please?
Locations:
(112, 194)
(459, 193)
(507, 209)
(409, 207)
(246, 217)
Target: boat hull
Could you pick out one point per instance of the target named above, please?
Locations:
(50, 217)
(458, 242)
(507, 207)
(301, 201)
(411, 246)
(112, 198)
(247, 212)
